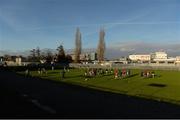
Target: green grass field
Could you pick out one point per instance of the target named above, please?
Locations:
(133, 86)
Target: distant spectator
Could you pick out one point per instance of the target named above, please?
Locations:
(120, 73)
(64, 68)
(111, 70)
(62, 74)
(95, 72)
(115, 73)
(39, 71)
(129, 72)
(52, 65)
(145, 73)
(44, 70)
(5, 64)
(106, 71)
(124, 72)
(142, 73)
(153, 74)
(27, 72)
(148, 74)
(103, 72)
(85, 74)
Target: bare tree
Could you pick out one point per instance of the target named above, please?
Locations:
(38, 53)
(49, 56)
(33, 55)
(77, 45)
(101, 46)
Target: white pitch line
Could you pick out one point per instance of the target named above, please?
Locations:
(25, 95)
(46, 108)
(35, 102)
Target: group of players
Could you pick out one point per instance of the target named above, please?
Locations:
(118, 73)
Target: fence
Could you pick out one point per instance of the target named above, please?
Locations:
(130, 66)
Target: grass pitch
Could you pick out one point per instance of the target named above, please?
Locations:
(164, 87)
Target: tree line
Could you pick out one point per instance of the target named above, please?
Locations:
(36, 55)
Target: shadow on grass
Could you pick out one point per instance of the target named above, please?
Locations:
(54, 72)
(158, 75)
(133, 75)
(97, 76)
(107, 75)
(157, 85)
(77, 76)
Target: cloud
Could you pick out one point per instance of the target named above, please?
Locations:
(138, 47)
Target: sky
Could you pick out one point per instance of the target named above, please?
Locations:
(26, 24)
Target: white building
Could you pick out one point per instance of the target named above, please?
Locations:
(177, 59)
(140, 57)
(73, 56)
(18, 60)
(93, 56)
(86, 56)
(82, 57)
(160, 55)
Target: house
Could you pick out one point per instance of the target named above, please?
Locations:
(14, 60)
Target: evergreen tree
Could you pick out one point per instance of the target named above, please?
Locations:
(61, 54)
(68, 58)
